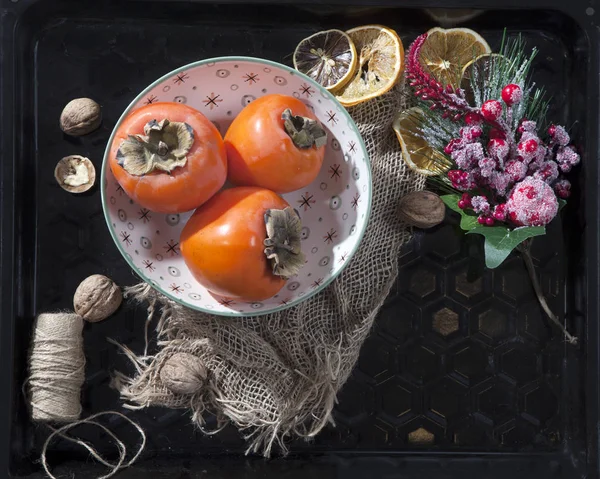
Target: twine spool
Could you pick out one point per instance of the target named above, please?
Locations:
(56, 375)
(56, 368)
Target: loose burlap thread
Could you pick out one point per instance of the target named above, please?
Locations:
(277, 376)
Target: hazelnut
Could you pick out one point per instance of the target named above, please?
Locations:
(183, 373)
(75, 174)
(422, 209)
(96, 298)
(80, 117)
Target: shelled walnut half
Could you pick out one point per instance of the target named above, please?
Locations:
(75, 174)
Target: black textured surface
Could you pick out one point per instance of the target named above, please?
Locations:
(461, 374)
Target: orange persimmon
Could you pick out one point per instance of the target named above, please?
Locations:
(275, 142)
(168, 157)
(243, 243)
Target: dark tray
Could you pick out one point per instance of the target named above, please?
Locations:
(461, 376)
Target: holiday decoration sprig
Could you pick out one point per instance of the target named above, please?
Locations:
(507, 174)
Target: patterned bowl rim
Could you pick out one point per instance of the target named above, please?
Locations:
(261, 61)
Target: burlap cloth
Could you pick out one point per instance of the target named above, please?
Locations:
(277, 376)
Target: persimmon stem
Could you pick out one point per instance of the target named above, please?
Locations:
(304, 132)
(525, 249)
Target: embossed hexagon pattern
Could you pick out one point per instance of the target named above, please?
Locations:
(541, 403)
(497, 401)
(471, 362)
(519, 363)
(375, 432)
(421, 436)
(531, 322)
(419, 281)
(518, 435)
(494, 324)
(514, 283)
(397, 319)
(445, 321)
(447, 398)
(396, 398)
(420, 364)
(444, 246)
(375, 358)
(473, 434)
(467, 290)
(354, 399)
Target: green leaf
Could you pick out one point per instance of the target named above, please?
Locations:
(451, 202)
(467, 221)
(500, 241)
(561, 204)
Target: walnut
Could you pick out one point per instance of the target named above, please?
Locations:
(96, 298)
(80, 117)
(75, 174)
(183, 373)
(422, 209)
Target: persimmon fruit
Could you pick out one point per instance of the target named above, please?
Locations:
(168, 157)
(275, 142)
(243, 243)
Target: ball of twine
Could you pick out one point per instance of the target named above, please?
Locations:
(56, 375)
(56, 368)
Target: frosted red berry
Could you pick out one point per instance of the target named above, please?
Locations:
(472, 118)
(516, 170)
(491, 110)
(500, 212)
(559, 135)
(532, 203)
(466, 199)
(480, 204)
(452, 145)
(512, 94)
(498, 148)
(470, 133)
(496, 134)
(527, 148)
(562, 188)
(567, 157)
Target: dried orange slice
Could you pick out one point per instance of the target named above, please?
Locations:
(416, 152)
(328, 57)
(445, 53)
(380, 64)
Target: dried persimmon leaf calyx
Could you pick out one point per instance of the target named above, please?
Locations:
(163, 147)
(304, 132)
(283, 243)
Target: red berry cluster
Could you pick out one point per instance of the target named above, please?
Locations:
(505, 175)
(515, 177)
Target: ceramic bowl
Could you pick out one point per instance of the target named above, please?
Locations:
(334, 209)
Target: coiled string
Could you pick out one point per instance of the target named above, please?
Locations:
(56, 375)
